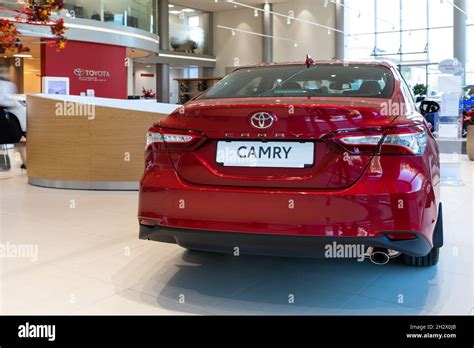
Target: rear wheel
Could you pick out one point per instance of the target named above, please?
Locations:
(433, 257)
(422, 261)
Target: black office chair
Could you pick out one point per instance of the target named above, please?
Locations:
(79, 11)
(108, 16)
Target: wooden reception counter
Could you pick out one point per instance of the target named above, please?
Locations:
(88, 143)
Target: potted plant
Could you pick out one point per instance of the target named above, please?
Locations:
(420, 90)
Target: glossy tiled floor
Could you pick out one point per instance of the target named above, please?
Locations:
(90, 261)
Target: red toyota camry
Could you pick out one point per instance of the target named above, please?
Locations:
(294, 159)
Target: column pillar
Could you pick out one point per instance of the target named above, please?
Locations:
(459, 33)
(130, 78)
(267, 42)
(340, 25)
(163, 70)
(210, 35)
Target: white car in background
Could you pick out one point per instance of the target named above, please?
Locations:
(19, 110)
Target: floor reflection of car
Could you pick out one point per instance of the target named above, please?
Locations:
(291, 159)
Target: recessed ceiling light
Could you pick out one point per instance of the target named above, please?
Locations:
(188, 10)
(171, 5)
(175, 12)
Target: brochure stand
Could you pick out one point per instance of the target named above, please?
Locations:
(450, 129)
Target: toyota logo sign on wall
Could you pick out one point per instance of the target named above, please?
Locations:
(79, 72)
(262, 120)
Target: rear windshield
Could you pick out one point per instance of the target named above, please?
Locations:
(300, 81)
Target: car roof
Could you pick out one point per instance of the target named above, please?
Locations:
(384, 63)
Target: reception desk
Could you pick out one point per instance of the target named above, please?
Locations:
(88, 143)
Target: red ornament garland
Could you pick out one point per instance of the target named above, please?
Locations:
(9, 37)
(37, 14)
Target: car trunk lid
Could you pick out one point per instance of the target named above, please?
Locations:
(302, 124)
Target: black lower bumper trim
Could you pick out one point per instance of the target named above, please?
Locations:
(274, 245)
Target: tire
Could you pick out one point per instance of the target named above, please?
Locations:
(432, 258)
(422, 261)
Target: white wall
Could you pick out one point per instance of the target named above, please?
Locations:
(248, 48)
(32, 76)
(144, 82)
(311, 39)
(243, 48)
(175, 73)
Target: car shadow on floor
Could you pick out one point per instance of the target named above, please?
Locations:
(223, 284)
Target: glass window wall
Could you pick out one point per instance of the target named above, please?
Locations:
(404, 31)
(470, 40)
(416, 34)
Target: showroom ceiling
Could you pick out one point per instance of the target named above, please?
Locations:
(221, 5)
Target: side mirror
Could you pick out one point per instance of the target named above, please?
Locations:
(429, 107)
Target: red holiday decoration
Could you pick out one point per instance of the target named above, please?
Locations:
(309, 61)
(34, 14)
(148, 93)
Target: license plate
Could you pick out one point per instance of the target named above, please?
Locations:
(265, 154)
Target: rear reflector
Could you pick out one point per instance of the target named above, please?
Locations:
(401, 236)
(149, 223)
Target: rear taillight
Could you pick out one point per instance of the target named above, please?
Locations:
(360, 143)
(172, 140)
(405, 141)
(394, 141)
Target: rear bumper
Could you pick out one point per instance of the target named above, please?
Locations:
(271, 245)
(374, 205)
(401, 197)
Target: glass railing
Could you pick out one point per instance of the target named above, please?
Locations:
(189, 30)
(131, 13)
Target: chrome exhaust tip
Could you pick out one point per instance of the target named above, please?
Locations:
(379, 256)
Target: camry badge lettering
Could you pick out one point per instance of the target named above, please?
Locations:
(262, 120)
(260, 152)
